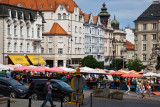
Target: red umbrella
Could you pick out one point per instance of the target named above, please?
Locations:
(24, 67)
(131, 74)
(117, 73)
(40, 69)
(56, 69)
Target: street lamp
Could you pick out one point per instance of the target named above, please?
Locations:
(123, 49)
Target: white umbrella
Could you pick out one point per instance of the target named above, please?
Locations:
(157, 75)
(4, 67)
(68, 69)
(18, 65)
(90, 70)
(149, 74)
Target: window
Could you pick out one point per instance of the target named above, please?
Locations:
(60, 39)
(144, 26)
(90, 49)
(60, 51)
(154, 36)
(154, 46)
(9, 29)
(79, 39)
(15, 30)
(38, 32)
(75, 50)
(42, 50)
(144, 37)
(64, 15)
(50, 39)
(27, 31)
(75, 17)
(21, 30)
(50, 50)
(90, 30)
(80, 30)
(9, 46)
(75, 39)
(61, 7)
(154, 26)
(144, 47)
(28, 47)
(32, 32)
(144, 57)
(21, 47)
(90, 40)
(43, 39)
(15, 46)
(34, 48)
(75, 29)
(41, 7)
(59, 16)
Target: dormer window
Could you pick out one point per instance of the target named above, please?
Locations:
(51, 7)
(61, 7)
(67, 6)
(41, 6)
(19, 5)
(31, 6)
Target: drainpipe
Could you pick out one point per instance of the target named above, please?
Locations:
(3, 40)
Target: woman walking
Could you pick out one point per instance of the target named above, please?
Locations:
(142, 89)
(148, 88)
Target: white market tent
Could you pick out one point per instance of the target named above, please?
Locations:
(90, 70)
(149, 74)
(4, 67)
(68, 69)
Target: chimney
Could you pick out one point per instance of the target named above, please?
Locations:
(156, 2)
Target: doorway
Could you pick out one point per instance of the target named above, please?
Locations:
(60, 63)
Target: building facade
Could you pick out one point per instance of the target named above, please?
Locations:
(130, 49)
(94, 37)
(119, 40)
(147, 30)
(108, 35)
(21, 34)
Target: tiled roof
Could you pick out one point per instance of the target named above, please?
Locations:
(129, 45)
(44, 5)
(151, 13)
(56, 30)
(86, 17)
(95, 19)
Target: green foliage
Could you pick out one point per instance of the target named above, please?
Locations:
(115, 93)
(135, 64)
(117, 64)
(91, 62)
(98, 91)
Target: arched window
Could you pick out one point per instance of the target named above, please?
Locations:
(9, 46)
(64, 15)
(28, 47)
(59, 16)
(15, 29)
(80, 30)
(21, 47)
(27, 31)
(9, 29)
(38, 32)
(34, 47)
(21, 29)
(15, 46)
(42, 50)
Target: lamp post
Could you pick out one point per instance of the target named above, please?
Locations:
(123, 49)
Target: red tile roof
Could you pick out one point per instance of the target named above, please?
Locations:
(56, 30)
(86, 17)
(95, 19)
(129, 45)
(44, 5)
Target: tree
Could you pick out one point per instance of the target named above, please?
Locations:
(91, 62)
(135, 64)
(117, 64)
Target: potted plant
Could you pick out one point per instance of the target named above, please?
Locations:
(116, 95)
(98, 93)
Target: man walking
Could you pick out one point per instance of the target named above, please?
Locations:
(49, 94)
(128, 86)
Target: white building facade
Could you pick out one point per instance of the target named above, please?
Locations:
(21, 33)
(94, 37)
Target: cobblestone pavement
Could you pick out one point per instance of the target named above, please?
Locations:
(132, 100)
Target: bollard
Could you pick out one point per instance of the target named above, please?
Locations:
(29, 102)
(61, 100)
(91, 100)
(8, 103)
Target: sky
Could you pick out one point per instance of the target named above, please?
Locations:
(126, 11)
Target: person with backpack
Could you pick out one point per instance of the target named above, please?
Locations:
(49, 94)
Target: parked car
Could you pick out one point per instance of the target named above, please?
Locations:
(12, 88)
(37, 89)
